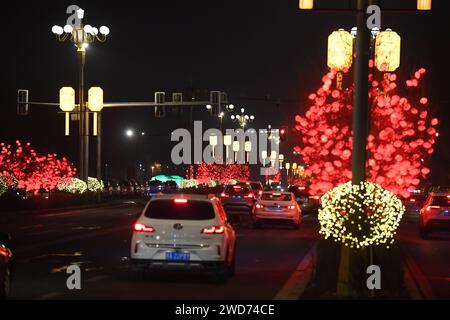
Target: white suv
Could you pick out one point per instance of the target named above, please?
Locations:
(188, 232)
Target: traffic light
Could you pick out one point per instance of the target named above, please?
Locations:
(283, 133)
(160, 111)
(22, 102)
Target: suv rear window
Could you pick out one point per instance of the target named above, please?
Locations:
(276, 196)
(169, 209)
(440, 201)
(237, 190)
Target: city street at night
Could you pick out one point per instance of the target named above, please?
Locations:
(98, 240)
(225, 159)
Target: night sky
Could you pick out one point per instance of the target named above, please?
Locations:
(249, 49)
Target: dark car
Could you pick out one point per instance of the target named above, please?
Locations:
(307, 203)
(170, 187)
(155, 187)
(238, 199)
(5, 266)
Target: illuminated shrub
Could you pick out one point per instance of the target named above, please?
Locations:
(360, 215)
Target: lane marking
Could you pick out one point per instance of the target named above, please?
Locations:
(299, 279)
(48, 296)
(82, 211)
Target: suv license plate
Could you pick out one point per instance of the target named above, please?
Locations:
(178, 256)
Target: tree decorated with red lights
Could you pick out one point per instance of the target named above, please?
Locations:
(401, 135)
(34, 171)
(222, 172)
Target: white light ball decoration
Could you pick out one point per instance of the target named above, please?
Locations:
(74, 186)
(94, 185)
(104, 30)
(360, 215)
(68, 28)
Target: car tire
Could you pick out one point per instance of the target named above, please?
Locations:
(5, 285)
(232, 266)
(137, 273)
(423, 231)
(257, 224)
(222, 273)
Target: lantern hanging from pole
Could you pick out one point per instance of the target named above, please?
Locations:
(387, 51)
(340, 50)
(67, 104)
(95, 104)
(423, 4)
(306, 4)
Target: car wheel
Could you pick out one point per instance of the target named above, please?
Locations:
(257, 224)
(222, 273)
(232, 266)
(137, 273)
(6, 283)
(423, 231)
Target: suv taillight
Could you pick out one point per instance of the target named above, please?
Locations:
(139, 227)
(213, 230)
(224, 195)
(259, 206)
(250, 195)
(433, 207)
(291, 207)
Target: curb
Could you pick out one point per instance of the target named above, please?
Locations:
(295, 286)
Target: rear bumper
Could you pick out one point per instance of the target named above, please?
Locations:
(438, 224)
(276, 216)
(148, 264)
(238, 208)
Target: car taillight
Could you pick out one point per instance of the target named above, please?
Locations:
(180, 201)
(413, 200)
(433, 207)
(250, 195)
(259, 206)
(213, 230)
(291, 207)
(260, 192)
(224, 195)
(139, 227)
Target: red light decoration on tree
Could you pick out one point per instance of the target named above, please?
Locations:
(221, 172)
(400, 143)
(34, 171)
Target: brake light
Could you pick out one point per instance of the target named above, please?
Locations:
(413, 200)
(260, 192)
(301, 188)
(259, 206)
(180, 200)
(224, 195)
(314, 197)
(250, 195)
(213, 230)
(291, 207)
(433, 207)
(139, 227)
(277, 194)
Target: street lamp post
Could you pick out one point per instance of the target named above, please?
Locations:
(81, 36)
(242, 118)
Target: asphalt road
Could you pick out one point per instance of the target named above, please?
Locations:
(98, 240)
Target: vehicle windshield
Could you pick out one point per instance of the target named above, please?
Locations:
(171, 210)
(276, 197)
(442, 201)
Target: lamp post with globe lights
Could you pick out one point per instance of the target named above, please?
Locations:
(81, 36)
(242, 118)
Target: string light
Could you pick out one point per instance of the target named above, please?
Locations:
(360, 215)
(75, 186)
(94, 185)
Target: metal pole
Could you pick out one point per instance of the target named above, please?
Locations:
(84, 128)
(360, 130)
(360, 96)
(99, 152)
